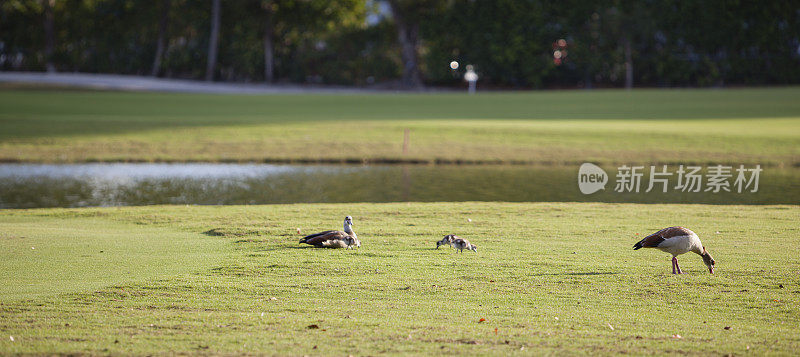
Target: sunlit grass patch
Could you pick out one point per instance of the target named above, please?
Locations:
(548, 278)
(729, 126)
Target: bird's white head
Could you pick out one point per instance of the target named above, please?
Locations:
(348, 225)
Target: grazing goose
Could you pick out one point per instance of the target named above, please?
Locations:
(461, 244)
(335, 239)
(447, 240)
(677, 241)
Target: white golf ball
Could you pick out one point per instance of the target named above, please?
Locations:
(454, 65)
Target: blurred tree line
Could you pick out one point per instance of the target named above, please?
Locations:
(511, 43)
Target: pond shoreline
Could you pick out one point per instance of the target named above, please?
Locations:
(33, 185)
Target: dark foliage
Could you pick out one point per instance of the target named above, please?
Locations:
(511, 43)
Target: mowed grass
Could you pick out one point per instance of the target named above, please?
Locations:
(548, 278)
(751, 126)
(43, 256)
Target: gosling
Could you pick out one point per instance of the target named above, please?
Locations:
(461, 244)
(447, 240)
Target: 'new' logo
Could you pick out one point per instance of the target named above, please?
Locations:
(591, 178)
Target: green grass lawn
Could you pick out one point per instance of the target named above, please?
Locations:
(44, 256)
(547, 278)
(606, 126)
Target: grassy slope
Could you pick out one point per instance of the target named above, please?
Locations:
(733, 126)
(548, 277)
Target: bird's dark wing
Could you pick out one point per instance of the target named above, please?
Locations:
(670, 232)
(655, 239)
(311, 236)
(319, 238)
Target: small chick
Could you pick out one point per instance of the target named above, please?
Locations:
(447, 240)
(461, 244)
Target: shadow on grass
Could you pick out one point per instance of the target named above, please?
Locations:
(72, 112)
(272, 249)
(576, 274)
(303, 246)
(214, 232)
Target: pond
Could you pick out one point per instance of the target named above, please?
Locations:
(124, 184)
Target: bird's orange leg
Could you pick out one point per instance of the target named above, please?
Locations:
(674, 265)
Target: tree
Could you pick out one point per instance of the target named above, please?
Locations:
(211, 64)
(408, 36)
(510, 42)
(287, 26)
(507, 41)
(162, 37)
(49, 34)
(633, 25)
(269, 45)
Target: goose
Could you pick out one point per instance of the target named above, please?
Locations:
(447, 240)
(461, 244)
(677, 241)
(335, 239)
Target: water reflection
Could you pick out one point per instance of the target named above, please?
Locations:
(34, 185)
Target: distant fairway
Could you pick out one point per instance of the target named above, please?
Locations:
(606, 126)
(548, 278)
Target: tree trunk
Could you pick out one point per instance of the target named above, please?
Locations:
(628, 64)
(408, 36)
(213, 40)
(49, 35)
(269, 51)
(162, 37)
